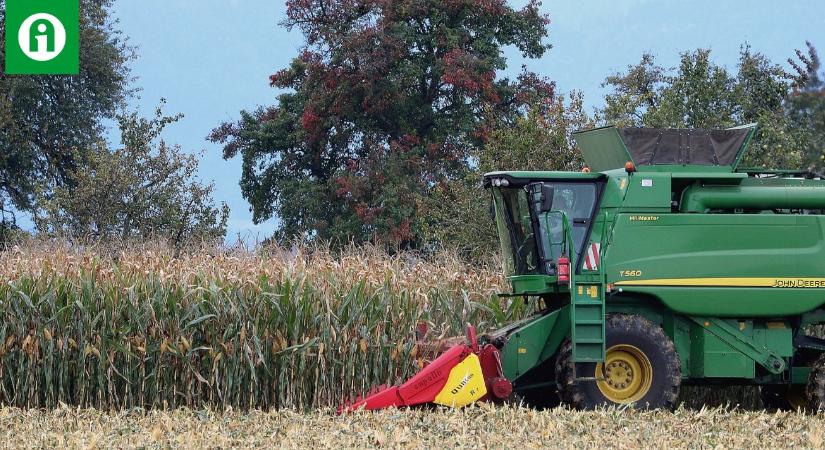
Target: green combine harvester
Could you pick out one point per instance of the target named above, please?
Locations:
(661, 264)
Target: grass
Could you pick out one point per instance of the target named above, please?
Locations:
(282, 328)
(473, 427)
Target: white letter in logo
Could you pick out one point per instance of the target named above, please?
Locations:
(42, 37)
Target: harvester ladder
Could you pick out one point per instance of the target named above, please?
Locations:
(587, 309)
(587, 318)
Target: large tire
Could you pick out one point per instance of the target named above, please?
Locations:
(787, 397)
(815, 389)
(641, 368)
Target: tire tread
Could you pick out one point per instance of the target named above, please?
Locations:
(570, 389)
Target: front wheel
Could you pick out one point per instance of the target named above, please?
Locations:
(815, 389)
(641, 367)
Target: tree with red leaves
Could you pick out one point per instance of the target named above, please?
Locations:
(383, 104)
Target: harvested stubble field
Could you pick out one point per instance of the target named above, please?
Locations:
(473, 427)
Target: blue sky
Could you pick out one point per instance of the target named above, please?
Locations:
(212, 58)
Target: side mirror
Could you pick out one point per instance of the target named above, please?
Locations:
(541, 196)
(547, 193)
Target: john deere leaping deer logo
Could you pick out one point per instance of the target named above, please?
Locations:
(42, 37)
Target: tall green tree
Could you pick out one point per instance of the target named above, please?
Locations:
(49, 123)
(702, 94)
(146, 189)
(807, 103)
(540, 139)
(382, 106)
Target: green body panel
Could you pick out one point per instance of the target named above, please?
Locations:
(648, 192)
(711, 357)
(738, 302)
(799, 375)
(534, 343)
(776, 336)
(533, 284)
(679, 329)
(730, 265)
(725, 350)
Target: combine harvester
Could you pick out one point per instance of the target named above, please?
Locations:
(660, 264)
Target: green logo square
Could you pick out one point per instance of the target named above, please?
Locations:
(42, 37)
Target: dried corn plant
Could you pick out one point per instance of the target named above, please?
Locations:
(139, 326)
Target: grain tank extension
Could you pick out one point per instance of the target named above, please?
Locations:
(663, 263)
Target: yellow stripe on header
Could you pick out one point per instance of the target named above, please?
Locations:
(729, 282)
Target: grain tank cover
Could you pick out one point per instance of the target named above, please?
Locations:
(692, 149)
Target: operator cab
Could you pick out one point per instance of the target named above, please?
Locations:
(542, 216)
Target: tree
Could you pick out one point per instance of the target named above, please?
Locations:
(47, 123)
(382, 106)
(634, 93)
(146, 189)
(702, 94)
(541, 139)
(806, 107)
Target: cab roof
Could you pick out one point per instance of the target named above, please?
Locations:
(522, 177)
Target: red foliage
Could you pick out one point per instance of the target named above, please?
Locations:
(401, 232)
(225, 134)
(366, 213)
(461, 70)
(269, 114)
(344, 187)
(534, 89)
(310, 121)
(466, 72)
(486, 7)
(483, 132)
(281, 78)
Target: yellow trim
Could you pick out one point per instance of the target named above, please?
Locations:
(730, 282)
(465, 384)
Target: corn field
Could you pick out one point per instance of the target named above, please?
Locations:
(278, 328)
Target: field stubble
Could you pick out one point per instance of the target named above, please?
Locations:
(484, 426)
